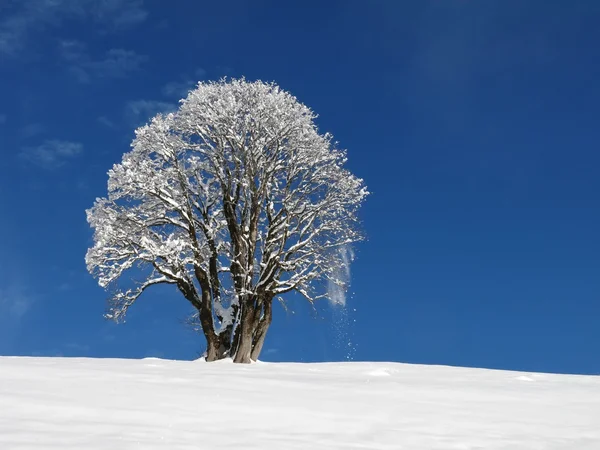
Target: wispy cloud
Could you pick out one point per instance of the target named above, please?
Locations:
(14, 303)
(181, 87)
(105, 121)
(3, 119)
(139, 111)
(224, 71)
(178, 89)
(21, 20)
(116, 63)
(117, 13)
(32, 129)
(64, 287)
(52, 154)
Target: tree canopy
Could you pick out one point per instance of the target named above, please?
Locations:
(235, 199)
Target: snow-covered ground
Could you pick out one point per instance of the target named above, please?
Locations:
(60, 403)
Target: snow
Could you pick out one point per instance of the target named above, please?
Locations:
(63, 403)
(172, 198)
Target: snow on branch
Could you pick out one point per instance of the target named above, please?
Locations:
(236, 194)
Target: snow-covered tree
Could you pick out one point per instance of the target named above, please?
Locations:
(235, 199)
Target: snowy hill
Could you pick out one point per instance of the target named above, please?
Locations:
(58, 403)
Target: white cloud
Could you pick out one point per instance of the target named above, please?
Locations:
(32, 129)
(65, 286)
(103, 120)
(116, 63)
(178, 89)
(14, 303)
(23, 19)
(139, 111)
(118, 13)
(52, 154)
(72, 50)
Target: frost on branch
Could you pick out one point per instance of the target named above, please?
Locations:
(234, 199)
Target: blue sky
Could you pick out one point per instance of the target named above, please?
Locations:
(474, 124)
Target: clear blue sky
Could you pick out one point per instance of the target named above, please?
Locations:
(474, 124)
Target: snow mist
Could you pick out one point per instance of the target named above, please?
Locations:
(336, 290)
(337, 293)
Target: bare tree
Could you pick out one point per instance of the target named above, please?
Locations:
(234, 199)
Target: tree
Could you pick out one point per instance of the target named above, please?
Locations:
(235, 199)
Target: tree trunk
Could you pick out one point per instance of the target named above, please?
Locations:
(244, 347)
(213, 343)
(252, 330)
(236, 339)
(212, 348)
(225, 342)
(261, 329)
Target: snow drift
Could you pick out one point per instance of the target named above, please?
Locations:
(58, 403)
